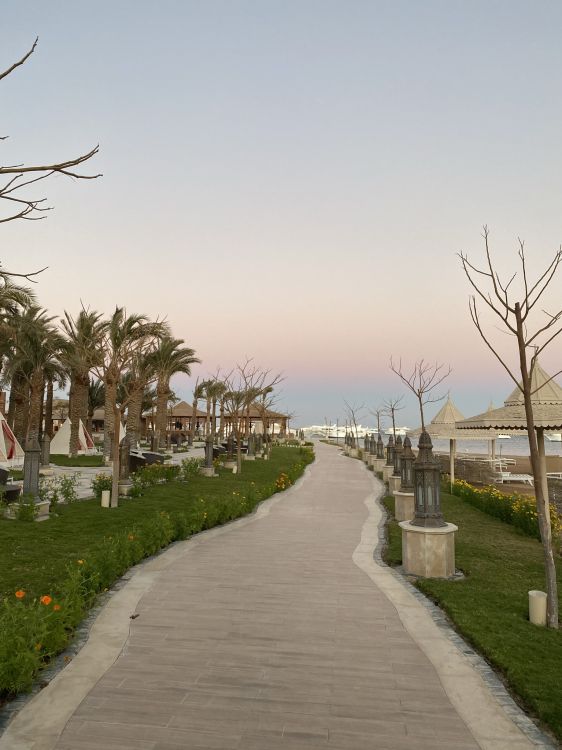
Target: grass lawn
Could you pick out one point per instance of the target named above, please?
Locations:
(490, 606)
(59, 459)
(34, 556)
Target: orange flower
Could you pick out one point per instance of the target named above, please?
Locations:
(56, 607)
(20, 594)
(46, 600)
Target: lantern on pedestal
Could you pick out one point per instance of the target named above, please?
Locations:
(390, 451)
(380, 447)
(397, 456)
(427, 471)
(407, 466)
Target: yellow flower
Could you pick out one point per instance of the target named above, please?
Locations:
(80, 562)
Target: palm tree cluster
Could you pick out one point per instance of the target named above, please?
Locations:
(124, 363)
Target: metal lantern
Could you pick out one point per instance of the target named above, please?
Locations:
(380, 447)
(366, 443)
(397, 456)
(372, 445)
(390, 452)
(427, 486)
(407, 466)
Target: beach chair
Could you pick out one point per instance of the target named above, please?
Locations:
(508, 476)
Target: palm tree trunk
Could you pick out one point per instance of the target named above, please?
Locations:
(221, 428)
(79, 392)
(35, 398)
(193, 422)
(49, 409)
(20, 396)
(134, 412)
(116, 419)
(109, 416)
(12, 404)
(162, 394)
(214, 420)
(208, 418)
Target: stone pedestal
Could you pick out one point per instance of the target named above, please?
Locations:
(250, 457)
(428, 552)
(378, 464)
(404, 506)
(125, 487)
(353, 452)
(387, 472)
(43, 507)
(394, 484)
(229, 465)
(208, 471)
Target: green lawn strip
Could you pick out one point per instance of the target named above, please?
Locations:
(59, 459)
(490, 606)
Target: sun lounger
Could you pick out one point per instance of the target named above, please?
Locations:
(507, 476)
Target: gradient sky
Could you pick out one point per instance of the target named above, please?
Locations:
(291, 179)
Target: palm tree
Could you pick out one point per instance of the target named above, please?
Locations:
(81, 354)
(37, 349)
(169, 358)
(125, 337)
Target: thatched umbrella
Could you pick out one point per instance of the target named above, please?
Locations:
(511, 417)
(443, 426)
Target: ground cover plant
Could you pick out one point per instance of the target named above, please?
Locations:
(53, 571)
(59, 459)
(489, 607)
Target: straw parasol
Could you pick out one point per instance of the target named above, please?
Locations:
(443, 426)
(547, 413)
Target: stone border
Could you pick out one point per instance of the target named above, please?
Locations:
(491, 681)
(38, 719)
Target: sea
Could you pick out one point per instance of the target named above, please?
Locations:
(516, 445)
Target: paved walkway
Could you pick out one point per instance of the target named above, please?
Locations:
(277, 632)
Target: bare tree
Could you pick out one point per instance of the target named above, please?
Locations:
(244, 386)
(422, 380)
(354, 412)
(378, 414)
(391, 406)
(514, 315)
(20, 176)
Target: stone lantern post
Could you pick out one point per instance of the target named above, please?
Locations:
(428, 541)
(394, 480)
(31, 462)
(388, 468)
(404, 497)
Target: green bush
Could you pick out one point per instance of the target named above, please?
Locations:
(100, 483)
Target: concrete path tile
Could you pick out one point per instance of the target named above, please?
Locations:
(278, 632)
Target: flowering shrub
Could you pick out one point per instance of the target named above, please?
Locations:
(517, 510)
(282, 482)
(99, 483)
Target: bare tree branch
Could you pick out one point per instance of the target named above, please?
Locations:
(19, 62)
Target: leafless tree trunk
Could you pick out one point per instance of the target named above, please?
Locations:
(515, 317)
